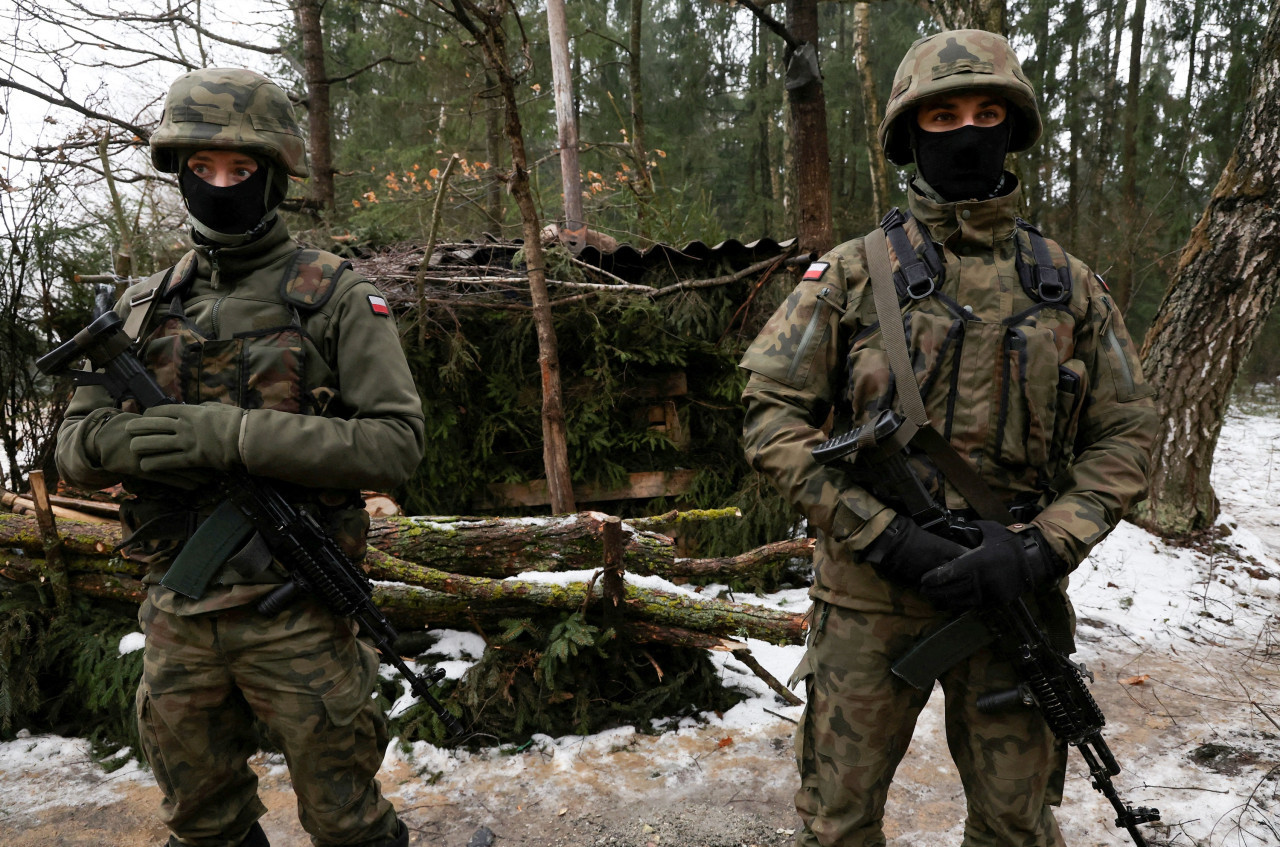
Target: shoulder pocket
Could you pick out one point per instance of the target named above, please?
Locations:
(784, 350)
(1117, 351)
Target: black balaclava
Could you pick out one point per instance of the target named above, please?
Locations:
(231, 210)
(965, 163)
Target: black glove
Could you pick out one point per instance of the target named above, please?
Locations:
(1004, 567)
(904, 552)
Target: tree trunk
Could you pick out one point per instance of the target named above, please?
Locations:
(566, 124)
(493, 150)
(973, 14)
(1075, 124)
(486, 24)
(871, 110)
(639, 150)
(765, 171)
(1226, 283)
(489, 547)
(1125, 282)
(809, 128)
(319, 135)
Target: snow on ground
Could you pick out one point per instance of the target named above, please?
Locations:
(1184, 645)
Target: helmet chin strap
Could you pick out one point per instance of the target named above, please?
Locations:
(223, 239)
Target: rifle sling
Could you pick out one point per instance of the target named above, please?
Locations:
(957, 471)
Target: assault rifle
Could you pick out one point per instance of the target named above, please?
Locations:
(879, 460)
(313, 559)
(1048, 680)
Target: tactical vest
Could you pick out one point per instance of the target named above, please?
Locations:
(259, 368)
(263, 368)
(1010, 390)
(1044, 278)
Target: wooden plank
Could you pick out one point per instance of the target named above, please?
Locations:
(640, 486)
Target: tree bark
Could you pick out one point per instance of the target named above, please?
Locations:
(973, 14)
(493, 149)
(1075, 122)
(486, 25)
(1226, 283)
(566, 124)
(489, 547)
(319, 134)
(1125, 281)
(1101, 159)
(639, 149)
(809, 128)
(422, 596)
(879, 165)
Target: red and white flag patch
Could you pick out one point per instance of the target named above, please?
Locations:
(379, 305)
(816, 270)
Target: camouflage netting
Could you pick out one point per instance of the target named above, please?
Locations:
(475, 356)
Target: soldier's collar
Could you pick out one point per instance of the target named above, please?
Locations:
(981, 223)
(268, 249)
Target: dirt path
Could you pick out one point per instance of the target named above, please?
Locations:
(708, 787)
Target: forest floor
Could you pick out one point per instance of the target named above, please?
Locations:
(1184, 643)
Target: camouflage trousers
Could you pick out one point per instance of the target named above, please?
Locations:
(859, 719)
(305, 678)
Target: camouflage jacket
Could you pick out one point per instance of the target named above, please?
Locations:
(991, 362)
(333, 408)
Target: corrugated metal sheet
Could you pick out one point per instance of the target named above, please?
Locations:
(626, 262)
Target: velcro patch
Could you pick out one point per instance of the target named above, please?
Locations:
(816, 270)
(379, 305)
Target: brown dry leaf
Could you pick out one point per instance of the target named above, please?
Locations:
(724, 742)
(1136, 680)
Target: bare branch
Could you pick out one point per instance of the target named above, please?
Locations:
(60, 99)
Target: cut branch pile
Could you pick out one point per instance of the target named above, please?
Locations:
(399, 273)
(459, 573)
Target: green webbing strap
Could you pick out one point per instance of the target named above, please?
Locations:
(213, 542)
(957, 471)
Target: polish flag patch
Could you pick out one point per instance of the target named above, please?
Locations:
(379, 305)
(816, 270)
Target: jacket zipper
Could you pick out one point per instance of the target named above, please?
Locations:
(1126, 372)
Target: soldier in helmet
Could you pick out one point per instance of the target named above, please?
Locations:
(1025, 369)
(289, 366)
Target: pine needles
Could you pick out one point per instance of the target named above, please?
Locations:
(564, 675)
(63, 672)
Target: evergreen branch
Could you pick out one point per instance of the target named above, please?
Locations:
(369, 67)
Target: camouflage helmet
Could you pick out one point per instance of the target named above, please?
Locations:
(950, 61)
(228, 109)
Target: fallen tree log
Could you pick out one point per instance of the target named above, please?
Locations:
(492, 547)
(502, 547)
(419, 596)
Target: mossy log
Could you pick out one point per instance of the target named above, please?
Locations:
(502, 547)
(416, 595)
(492, 547)
(663, 608)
